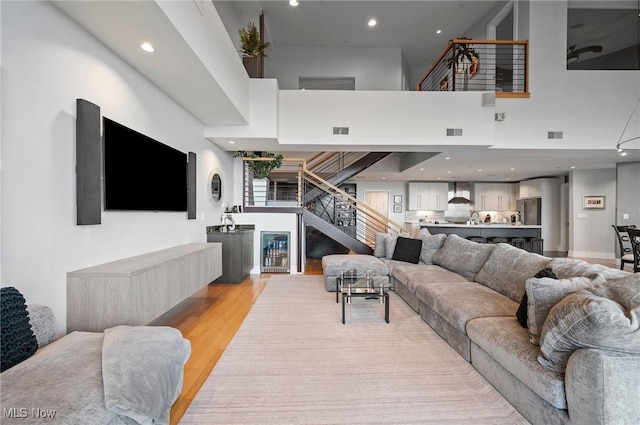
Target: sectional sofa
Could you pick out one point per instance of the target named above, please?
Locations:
(577, 361)
(124, 375)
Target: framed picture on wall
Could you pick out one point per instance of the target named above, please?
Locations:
(397, 199)
(593, 202)
(397, 208)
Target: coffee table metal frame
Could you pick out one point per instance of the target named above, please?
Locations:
(363, 284)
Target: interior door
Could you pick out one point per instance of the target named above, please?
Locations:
(377, 200)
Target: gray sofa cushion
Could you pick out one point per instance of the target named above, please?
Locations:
(508, 268)
(430, 245)
(544, 293)
(565, 268)
(459, 302)
(380, 248)
(586, 319)
(333, 264)
(412, 276)
(462, 256)
(507, 343)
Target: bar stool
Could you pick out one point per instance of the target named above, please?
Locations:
(518, 242)
(478, 239)
(498, 239)
(536, 245)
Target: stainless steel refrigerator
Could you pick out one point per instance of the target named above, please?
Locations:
(530, 211)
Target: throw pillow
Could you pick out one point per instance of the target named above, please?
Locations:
(422, 233)
(390, 244)
(544, 293)
(569, 267)
(508, 268)
(462, 256)
(584, 319)
(430, 245)
(17, 342)
(408, 250)
(521, 314)
(380, 248)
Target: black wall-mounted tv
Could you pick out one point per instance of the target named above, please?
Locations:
(141, 173)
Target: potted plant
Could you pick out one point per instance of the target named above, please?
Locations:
(252, 48)
(466, 58)
(261, 170)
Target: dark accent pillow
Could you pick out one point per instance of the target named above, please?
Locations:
(408, 250)
(521, 314)
(17, 341)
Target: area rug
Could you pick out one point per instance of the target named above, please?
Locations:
(294, 362)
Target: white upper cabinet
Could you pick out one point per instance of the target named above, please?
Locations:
(495, 196)
(428, 196)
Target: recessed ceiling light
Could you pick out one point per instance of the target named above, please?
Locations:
(439, 178)
(479, 170)
(512, 169)
(439, 32)
(147, 47)
(449, 171)
(294, 2)
(447, 158)
(572, 167)
(231, 142)
(421, 169)
(372, 22)
(384, 178)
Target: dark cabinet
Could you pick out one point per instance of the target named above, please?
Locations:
(237, 254)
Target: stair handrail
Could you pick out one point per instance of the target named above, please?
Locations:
(360, 206)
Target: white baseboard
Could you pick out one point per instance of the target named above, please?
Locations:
(588, 254)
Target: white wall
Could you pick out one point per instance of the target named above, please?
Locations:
(47, 62)
(591, 235)
(373, 68)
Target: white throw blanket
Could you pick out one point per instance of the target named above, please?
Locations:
(142, 369)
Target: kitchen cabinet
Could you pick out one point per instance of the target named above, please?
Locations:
(428, 196)
(531, 188)
(495, 196)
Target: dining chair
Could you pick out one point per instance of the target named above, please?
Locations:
(626, 250)
(634, 236)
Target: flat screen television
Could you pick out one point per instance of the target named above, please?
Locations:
(141, 173)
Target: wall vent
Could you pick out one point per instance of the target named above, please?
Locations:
(341, 130)
(554, 135)
(454, 132)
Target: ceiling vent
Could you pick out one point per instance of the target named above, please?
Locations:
(454, 132)
(341, 130)
(554, 135)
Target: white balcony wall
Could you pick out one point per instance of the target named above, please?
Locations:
(380, 119)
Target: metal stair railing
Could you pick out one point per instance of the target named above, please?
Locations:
(346, 212)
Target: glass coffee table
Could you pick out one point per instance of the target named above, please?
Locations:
(363, 284)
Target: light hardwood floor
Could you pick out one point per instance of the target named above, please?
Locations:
(210, 319)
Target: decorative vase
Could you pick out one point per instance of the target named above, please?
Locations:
(260, 190)
(253, 65)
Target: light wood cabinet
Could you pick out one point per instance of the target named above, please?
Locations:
(428, 196)
(136, 290)
(495, 196)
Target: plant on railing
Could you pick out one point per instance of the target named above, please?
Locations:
(261, 169)
(466, 58)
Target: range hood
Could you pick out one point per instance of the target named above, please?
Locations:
(458, 196)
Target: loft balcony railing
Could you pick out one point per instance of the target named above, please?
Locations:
(488, 65)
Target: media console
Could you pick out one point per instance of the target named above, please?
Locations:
(136, 290)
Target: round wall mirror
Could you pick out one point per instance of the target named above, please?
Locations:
(215, 187)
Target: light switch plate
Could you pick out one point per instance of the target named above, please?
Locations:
(625, 216)
(582, 215)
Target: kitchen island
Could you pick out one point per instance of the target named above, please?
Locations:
(485, 230)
